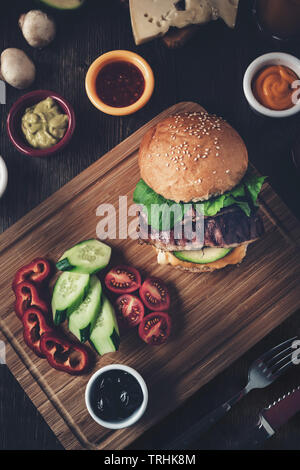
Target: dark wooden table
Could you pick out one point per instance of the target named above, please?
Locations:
(208, 70)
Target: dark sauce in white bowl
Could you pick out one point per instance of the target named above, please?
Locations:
(115, 395)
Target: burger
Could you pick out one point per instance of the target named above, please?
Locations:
(199, 163)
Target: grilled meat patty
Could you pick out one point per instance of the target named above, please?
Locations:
(229, 228)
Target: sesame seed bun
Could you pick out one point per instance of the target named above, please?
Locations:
(236, 256)
(190, 157)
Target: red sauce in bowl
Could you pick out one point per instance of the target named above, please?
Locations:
(120, 84)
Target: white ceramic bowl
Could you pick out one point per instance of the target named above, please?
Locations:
(3, 176)
(131, 419)
(274, 58)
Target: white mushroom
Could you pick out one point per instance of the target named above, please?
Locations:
(38, 28)
(16, 68)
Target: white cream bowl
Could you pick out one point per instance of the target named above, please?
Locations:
(266, 60)
(3, 176)
(137, 413)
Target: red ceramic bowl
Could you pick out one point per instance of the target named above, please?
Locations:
(15, 116)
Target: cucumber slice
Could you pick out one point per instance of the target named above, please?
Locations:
(105, 336)
(69, 291)
(82, 320)
(204, 256)
(63, 4)
(87, 257)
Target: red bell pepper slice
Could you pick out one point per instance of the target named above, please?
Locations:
(38, 271)
(27, 296)
(64, 355)
(34, 327)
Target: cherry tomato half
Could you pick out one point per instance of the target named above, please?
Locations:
(123, 279)
(155, 295)
(155, 328)
(130, 310)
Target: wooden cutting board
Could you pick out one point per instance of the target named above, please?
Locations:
(217, 316)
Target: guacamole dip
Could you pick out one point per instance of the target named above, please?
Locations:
(44, 124)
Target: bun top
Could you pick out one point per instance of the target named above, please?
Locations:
(190, 157)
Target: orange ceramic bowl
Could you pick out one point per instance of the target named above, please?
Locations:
(115, 56)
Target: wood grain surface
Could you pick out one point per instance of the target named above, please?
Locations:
(218, 315)
(209, 70)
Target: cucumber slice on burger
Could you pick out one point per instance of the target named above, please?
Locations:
(63, 4)
(204, 256)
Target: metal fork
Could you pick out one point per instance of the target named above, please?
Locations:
(262, 373)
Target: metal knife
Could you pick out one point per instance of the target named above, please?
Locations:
(270, 420)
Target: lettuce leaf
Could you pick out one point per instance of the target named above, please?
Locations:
(254, 184)
(157, 218)
(243, 195)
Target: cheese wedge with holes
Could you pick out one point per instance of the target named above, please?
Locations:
(153, 18)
